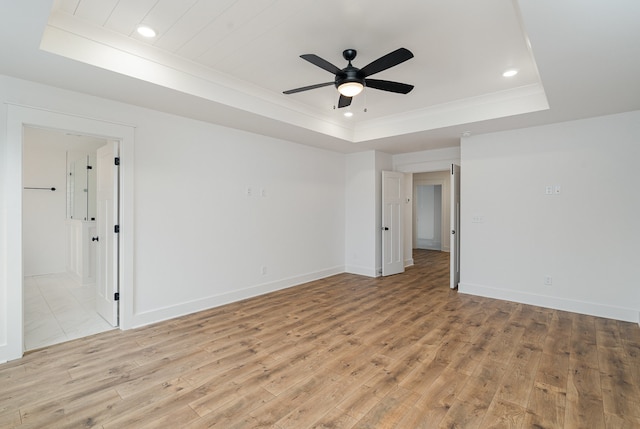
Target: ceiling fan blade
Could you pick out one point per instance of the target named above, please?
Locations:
(391, 59)
(387, 85)
(306, 88)
(323, 64)
(344, 101)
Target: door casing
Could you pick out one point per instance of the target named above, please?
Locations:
(19, 116)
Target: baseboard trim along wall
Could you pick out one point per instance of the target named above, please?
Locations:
(556, 303)
(158, 315)
(361, 271)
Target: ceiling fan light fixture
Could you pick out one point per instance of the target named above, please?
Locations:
(350, 89)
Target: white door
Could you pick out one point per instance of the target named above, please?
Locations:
(455, 226)
(107, 238)
(392, 243)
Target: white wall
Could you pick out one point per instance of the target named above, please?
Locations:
(429, 214)
(427, 160)
(408, 219)
(199, 239)
(363, 227)
(205, 239)
(360, 207)
(585, 238)
(44, 211)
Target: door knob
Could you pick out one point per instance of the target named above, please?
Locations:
(384, 228)
(95, 239)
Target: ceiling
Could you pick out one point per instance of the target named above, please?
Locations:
(228, 61)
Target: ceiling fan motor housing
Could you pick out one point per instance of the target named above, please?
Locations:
(349, 73)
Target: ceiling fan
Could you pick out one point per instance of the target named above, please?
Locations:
(351, 80)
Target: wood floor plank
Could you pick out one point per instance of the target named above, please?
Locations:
(584, 407)
(223, 410)
(546, 407)
(388, 412)
(613, 421)
(504, 415)
(520, 375)
(10, 419)
(334, 419)
(583, 345)
(436, 400)
(402, 352)
(620, 396)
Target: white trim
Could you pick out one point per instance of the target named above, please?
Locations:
(361, 271)
(166, 313)
(557, 303)
(17, 117)
(65, 114)
(427, 161)
(408, 262)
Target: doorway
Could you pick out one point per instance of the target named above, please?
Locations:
(58, 218)
(428, 231)
(17, 118)
(431, 210)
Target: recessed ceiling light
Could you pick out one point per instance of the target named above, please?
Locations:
(146, 31)
(510, 73)
(348, 114)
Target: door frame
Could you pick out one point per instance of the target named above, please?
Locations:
(454, 264)
(19, 116)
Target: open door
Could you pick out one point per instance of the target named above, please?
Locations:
(107, 226)
(392, 246)
(455, 226)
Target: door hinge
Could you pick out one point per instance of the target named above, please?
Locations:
(116, 296)
(116, 228)
(116, 160)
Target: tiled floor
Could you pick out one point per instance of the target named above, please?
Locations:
(58, 309)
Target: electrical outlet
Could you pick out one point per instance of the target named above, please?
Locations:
(548, 190)
(548, 280)
(249, 191)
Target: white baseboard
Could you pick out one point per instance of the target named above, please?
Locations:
(408, 262)
(158, 315)
(361, 271)
(564, 304)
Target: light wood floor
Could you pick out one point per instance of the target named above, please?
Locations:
(344, 352)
